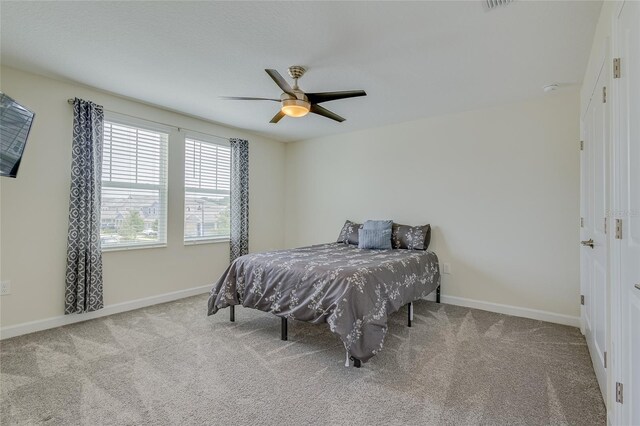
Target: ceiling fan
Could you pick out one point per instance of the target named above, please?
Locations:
(296, 103)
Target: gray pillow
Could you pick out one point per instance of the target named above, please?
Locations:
(379, 239)
(349, 233)
(411, 237)
(377, 224)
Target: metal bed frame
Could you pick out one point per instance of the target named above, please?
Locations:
(284, 325)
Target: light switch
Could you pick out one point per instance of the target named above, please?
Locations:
(5, 287)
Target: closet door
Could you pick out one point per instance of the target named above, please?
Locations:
(626, 250)
(595, 206)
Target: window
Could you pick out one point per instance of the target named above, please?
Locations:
(206, 199)
(134, 185)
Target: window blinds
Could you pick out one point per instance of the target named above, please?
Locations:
(134, 186)
(207, 183)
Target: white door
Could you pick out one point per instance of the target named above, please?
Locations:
(627, 208)
(594, 206)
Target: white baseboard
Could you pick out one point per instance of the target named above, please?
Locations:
(44, 324)
(516, 311)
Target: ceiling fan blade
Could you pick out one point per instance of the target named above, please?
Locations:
(317, 109)
(316, 98)
(277, 117)
(281, 82)
(243, 98)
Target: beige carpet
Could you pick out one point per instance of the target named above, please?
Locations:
(170, 364)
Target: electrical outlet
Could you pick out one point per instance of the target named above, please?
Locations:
(5, 288)
(446, 268)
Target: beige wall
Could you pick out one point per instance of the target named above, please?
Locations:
(34, 208)
(500, 186)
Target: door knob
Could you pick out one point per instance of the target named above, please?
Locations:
(637, 286)
(588, 243)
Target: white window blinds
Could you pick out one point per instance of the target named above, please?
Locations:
(134, 186)
(207, 181)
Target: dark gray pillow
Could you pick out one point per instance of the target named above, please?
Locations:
(379, 239)
(349, 233)
(411, 237)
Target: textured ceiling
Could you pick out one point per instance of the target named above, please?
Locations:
(414, 59)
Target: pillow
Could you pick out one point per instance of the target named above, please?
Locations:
(349, 233)
(379, 239)
(377, 224)
(411, 237)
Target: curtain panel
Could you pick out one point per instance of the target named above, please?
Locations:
(239, 198)
(84, 255)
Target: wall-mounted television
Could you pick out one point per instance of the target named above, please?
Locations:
(15, 124)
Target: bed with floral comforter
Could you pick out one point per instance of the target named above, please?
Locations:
(353, 290)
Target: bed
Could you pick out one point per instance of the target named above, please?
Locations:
(353, 290)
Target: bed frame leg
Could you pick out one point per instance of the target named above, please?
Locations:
(232, 313)
(356, 362)
(410, 310)
(283, 329)
(438, 294)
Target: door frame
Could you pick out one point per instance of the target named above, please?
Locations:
(617, 413)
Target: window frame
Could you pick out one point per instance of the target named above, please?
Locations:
(213, 140)
(139, 123)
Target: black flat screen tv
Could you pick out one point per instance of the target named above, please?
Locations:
(15, 124)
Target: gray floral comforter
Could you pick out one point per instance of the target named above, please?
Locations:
(353, 290)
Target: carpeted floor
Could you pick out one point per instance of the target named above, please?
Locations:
(171, 364)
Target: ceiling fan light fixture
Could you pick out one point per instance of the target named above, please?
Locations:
(295, 107)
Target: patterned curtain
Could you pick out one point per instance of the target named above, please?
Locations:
(239, 198)
(84, 256)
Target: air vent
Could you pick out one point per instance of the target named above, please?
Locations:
(492, 4)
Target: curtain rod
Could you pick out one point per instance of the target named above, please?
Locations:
(70, 102)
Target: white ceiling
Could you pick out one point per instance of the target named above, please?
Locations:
(414, 59)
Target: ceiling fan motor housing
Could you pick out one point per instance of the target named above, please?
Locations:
(299, 96)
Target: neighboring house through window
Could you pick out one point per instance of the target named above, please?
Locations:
(207, 182)
(134, 183)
